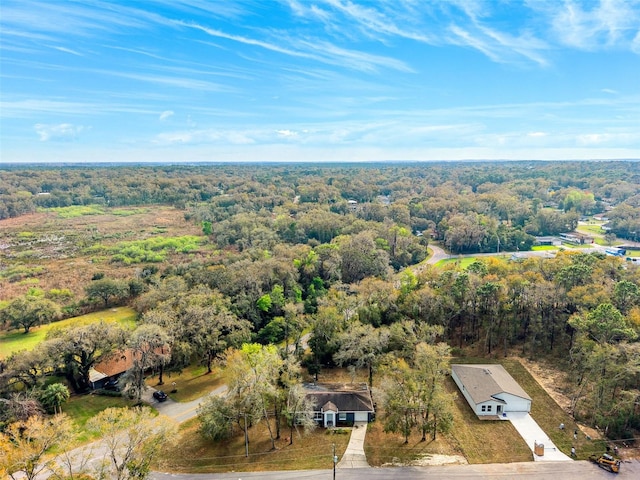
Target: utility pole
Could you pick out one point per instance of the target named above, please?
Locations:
(246, 437)
(335, 460)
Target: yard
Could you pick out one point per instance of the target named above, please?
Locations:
(193, 453)
(191, 383)
(81, 408)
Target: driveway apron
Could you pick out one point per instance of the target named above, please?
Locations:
(532, 434)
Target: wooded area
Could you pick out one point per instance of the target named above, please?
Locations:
(265, 253)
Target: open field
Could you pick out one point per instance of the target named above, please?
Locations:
(460, 262)
(50, 251)
(14, 340)
(591, 228)
(389, 448)
(541, 248)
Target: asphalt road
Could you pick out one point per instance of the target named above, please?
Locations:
(579, 470)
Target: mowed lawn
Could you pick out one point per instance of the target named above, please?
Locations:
(15, 340)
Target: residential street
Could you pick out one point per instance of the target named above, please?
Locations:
(581, 470)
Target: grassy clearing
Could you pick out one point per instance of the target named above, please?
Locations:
(540, 248)
(15, 340)
(459, 262)
(81, 408)
(591, 228)
(193, 382)
(76, 211)
(389, 448)
(193, 453)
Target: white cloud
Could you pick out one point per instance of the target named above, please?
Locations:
(536, 134)
(287, 133)
(59, 132)
(165, 115)
(608, 23)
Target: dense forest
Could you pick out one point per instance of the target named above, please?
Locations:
(269, 252)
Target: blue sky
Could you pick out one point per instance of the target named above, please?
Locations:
(318, 80)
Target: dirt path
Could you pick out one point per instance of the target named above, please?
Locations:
(549, 380)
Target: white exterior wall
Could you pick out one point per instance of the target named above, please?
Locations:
(513, 403)
(470, 401)
(493, 411)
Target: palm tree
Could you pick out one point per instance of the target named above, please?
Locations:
(54, 396)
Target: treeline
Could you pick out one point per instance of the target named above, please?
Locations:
(473, 207)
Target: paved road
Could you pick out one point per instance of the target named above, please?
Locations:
(179, 411)
(581, 470)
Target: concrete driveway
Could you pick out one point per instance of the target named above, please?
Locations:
(532, 433)
(354, 456)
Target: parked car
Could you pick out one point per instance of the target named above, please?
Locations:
(112, 385)
(160, 396)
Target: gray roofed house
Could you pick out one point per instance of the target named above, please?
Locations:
(338, 405)
(490, 390)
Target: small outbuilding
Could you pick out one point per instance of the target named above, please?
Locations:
(490, 390)
(340, 405)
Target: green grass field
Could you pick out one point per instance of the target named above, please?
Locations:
(461, 262)
(15, 340)
(540, 248)
(81, 408)
(591, 228)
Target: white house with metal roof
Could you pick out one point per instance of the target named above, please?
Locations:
(490, 390)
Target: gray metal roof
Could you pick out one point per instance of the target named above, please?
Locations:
(482, 382)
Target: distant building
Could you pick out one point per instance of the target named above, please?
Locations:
(577, 238)
(548, 241)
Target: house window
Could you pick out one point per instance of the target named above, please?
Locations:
(317, 416)
(484, 408)
(342, 416)
(488, 408)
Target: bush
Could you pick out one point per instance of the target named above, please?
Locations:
(107, 393)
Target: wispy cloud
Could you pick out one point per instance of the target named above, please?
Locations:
(595, 25)
(67, 50)
(28, 108)
(314, 49)
(165, 115)
(62, 132)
